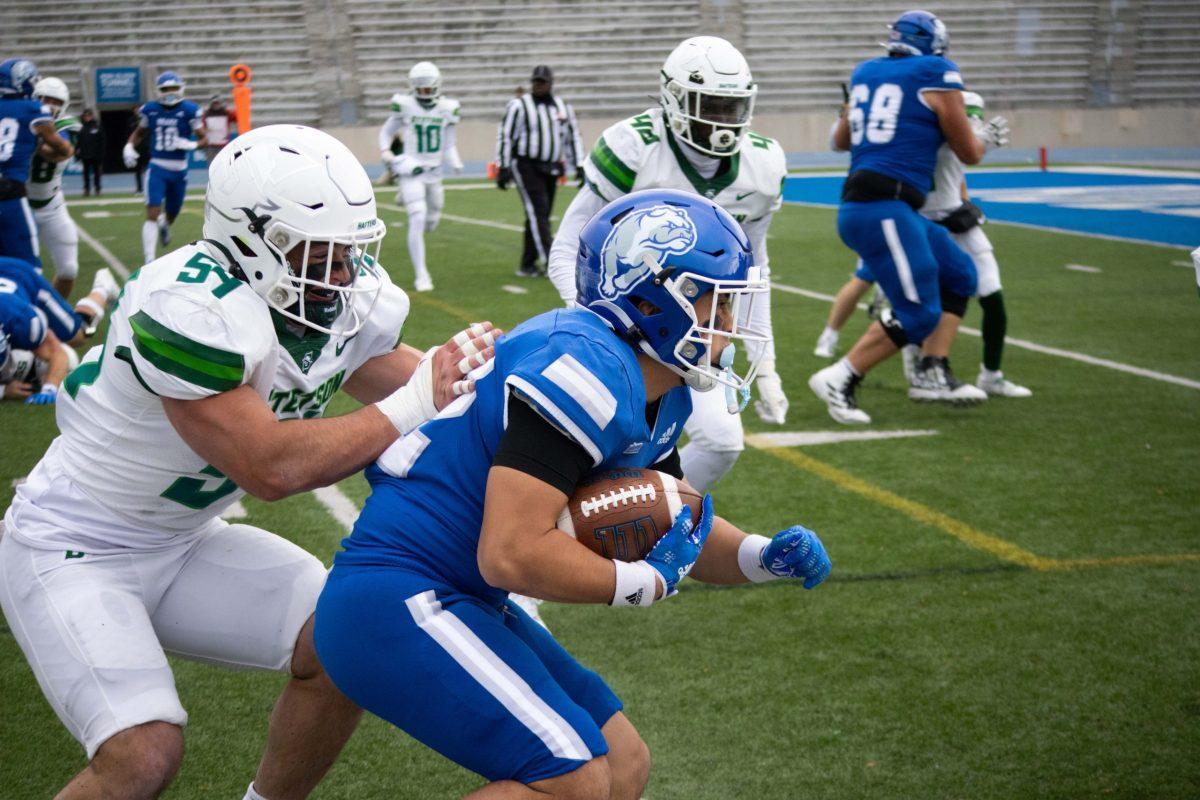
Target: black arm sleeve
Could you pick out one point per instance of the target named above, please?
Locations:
(535, 446)
(670, 464)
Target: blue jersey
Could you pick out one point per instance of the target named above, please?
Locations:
(892, 131)
(427, 506)
(29, 306)
(18, 140)
(167, 126)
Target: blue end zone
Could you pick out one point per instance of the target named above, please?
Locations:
(1151, 208)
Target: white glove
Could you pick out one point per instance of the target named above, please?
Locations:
(387, 157)
(129, 155)
(772, 404)
(994, 133)
(186, 144)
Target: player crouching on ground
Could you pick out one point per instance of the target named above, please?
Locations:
(463, 512)
(218, 358)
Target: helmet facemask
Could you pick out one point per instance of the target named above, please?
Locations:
(170, 94)
(728, 322)
(425, 83)
(712, 121)
(318, 289)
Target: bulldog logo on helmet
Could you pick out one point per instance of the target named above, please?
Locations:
(641, 239)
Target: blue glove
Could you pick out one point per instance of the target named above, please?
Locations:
(676, 552)
(45, 397)
(797, 553)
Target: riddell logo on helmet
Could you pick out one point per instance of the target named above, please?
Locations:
(649, 235)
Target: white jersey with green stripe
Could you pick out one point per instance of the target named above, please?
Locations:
(45, 177)
(186, 329)
(640, 153)
(423, 130)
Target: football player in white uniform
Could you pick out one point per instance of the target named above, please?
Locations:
(219, 361)
(56, 229)
(697, 141)
(949, 205)
(426, 123)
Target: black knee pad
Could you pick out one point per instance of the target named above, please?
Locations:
(955, 304)
(892, 327)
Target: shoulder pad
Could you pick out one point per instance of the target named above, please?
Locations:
(618, 154)
(386, 321)
(578, 383)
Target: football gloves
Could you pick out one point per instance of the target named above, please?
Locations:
(504, 178)
(772, 403)
(45, 397)
(797, 553)
(129, 155)
(994, 133)
(676, 552)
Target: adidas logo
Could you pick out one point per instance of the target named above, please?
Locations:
(635, 599)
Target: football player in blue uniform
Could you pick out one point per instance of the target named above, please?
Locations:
(464, 511)
(26, 126)
(902, 107)
(170, 122)
(34, 317)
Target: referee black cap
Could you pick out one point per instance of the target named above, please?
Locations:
(542, 73)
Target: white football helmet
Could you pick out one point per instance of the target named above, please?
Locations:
(708, 95)
(287, 189)
(53, 89)
(425, 82)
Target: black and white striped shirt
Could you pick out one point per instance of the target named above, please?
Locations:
(543, 131)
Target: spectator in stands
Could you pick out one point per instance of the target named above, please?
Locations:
(538, 138)
(219, 121)
(89, 149)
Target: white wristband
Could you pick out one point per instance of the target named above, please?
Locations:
(750, 559)
(411, 404)
(636, 584)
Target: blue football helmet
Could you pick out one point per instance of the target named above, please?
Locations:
(170, 88)
(670, 249)
(17, 77)
(918, 33)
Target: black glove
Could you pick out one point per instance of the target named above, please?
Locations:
(580, 178)
(504, 178)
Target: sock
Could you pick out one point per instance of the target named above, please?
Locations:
(995, 325)
(829, 332)
(416, 243)
(702, 468)
(844, 364)
(251, 794)
(149, 239)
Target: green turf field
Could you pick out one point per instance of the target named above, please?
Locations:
(1014, 610)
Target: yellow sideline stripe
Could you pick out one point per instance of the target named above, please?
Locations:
(972, 537)
(968, 535)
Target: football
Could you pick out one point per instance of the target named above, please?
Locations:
(622, 513)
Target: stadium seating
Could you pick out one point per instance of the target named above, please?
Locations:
(338, 61)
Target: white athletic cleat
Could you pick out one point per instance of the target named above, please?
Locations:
(933, 381)
(423, 284)
(910, 354)
(996, 385)
(827, 344)
(835, 387)
(772, 403)
(530, 606)
(105, 283)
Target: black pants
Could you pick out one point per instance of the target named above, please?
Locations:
(92, 170)
(536, 181)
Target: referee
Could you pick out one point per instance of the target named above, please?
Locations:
(538, 138)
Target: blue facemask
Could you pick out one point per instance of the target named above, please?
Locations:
(736, 400)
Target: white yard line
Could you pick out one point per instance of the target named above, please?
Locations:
(1028, 345)
(508, 287)
(1082, 268)
(486, 223)
(808, 438)
(106, 254)
(339, 506)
